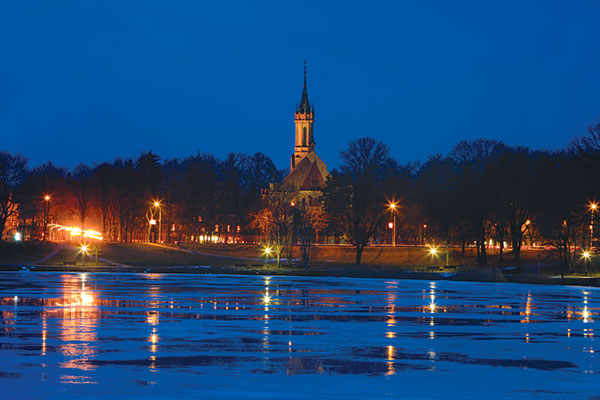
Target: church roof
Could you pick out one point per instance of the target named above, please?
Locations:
(310, 173)
(314, 179)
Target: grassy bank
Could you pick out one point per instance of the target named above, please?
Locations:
(378, 262)
(415, 257)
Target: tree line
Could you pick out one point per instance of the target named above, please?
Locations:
(198, 195)
(481, 191)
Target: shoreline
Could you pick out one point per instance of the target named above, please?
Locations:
(475, 275)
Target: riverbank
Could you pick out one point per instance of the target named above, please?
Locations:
(334, 261)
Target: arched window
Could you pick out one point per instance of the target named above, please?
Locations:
(304, 141)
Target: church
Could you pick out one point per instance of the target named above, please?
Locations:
(308, 173)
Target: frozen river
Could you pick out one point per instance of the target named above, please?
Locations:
(156, 336)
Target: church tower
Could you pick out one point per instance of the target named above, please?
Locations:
(308, 173)
(305, 117)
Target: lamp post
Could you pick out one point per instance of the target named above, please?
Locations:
(267, 252)
(157, 205)
(84, 249)
(433, 253)
(47, 199)
(392, 207)
(586, 257)
(593, 207)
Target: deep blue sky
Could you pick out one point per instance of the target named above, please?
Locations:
(93, 80)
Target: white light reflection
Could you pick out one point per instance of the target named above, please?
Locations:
(432, 307)
(391, 310)
(586, 315)
(153, 320)
(266, 301)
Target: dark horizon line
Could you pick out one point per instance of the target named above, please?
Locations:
(95, 164)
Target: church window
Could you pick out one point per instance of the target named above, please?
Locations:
(304, 142)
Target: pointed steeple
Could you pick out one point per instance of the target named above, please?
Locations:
(304, 106)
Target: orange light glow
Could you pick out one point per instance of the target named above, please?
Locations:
(88, 233)
(75, 300)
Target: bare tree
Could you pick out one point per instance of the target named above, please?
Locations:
(82, 192)
(12, 173)
(354, 197)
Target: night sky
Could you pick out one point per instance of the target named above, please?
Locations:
(94, 80)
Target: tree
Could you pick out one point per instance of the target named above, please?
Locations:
(308, 221)
(354, 197)
(514, 183)
(474, 187)
(105, 179)
(590, 143)
(82, 192)
(438, 192)
(12, 173)
(44, 180)
(560, 211)
(279, 210)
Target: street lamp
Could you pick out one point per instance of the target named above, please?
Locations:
(157, 205)
(593, 207)
(47, 199)
(586, 256)
(84, 250)
(267, 252)
(392, 207)
(433, 252)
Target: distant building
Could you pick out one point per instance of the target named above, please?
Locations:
(308, 173)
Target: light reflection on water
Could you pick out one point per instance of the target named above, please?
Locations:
(152, 330)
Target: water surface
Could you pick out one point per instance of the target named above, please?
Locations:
(157, 336)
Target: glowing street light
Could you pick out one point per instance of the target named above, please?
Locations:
(392, 207)
(586, 256)
(47, 199)
(84, 250)
(433, 251)
(593, 207)
(158, 205)
(267, 251)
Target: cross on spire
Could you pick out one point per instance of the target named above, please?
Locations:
(304, 73)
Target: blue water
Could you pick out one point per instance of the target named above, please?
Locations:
(151, 336)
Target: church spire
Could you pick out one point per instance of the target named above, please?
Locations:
(304, 106)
